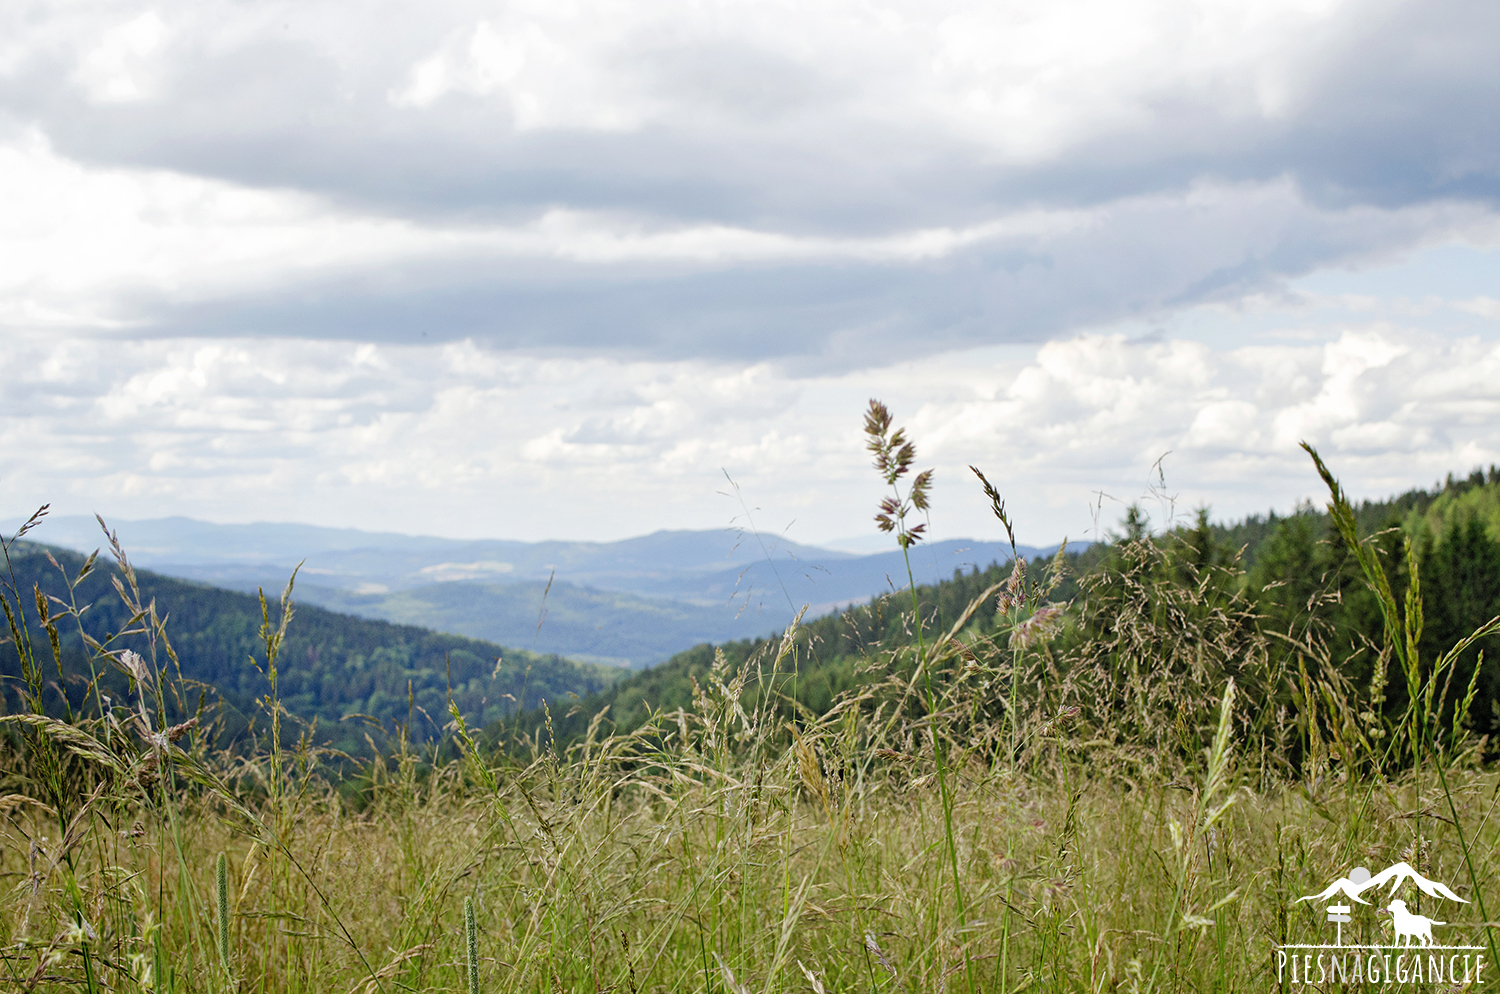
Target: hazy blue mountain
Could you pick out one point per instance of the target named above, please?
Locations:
(828, 581)
(635, 601)
(584, 623)
(346, 557)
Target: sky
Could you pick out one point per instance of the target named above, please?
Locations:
(588, 270)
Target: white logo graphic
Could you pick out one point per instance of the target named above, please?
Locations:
(1411, 956)
(1410, 926)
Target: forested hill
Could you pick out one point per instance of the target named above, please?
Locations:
(1293, 571)
(1302, 574)
(1422, 514)
(829, 656)
(331, 665)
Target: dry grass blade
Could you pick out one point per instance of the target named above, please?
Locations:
(369, 985)
(71, 737)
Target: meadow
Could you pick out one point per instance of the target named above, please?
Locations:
(1124, 788)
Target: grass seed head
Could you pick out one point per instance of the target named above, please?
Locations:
(471, 945)
(221, 879)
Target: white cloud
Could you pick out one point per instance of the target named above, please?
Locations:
(663, 177)
(1391, 407)
(464, 440)
(549, 75)
(1485, 307)
(1026, 80)
(74, 240)
(120, 68)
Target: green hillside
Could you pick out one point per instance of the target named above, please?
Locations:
(331, 665)
(1416, 511)
(1291, 573)
(828, 655)
(1476, 498)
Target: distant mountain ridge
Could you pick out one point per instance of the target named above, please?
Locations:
(347, 556)
(632, 602)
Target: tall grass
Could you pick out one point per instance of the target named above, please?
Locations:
(1126, 793)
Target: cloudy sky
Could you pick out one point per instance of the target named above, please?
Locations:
(561, 269)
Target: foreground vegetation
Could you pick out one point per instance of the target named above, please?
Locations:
(1126, 793)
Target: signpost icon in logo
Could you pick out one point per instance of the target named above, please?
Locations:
(1339, 913)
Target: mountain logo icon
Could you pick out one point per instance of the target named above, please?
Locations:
(1359, 881)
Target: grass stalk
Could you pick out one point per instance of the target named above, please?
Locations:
(893, 458)
(221, 880)
(471, 945)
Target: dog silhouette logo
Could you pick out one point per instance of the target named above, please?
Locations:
(1410, 926)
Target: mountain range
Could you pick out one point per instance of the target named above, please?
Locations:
(633, 602)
